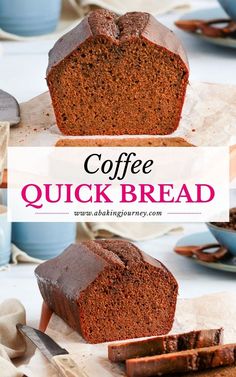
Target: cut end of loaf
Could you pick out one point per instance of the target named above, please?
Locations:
(128, 305)
(135, 300)
(119, 80)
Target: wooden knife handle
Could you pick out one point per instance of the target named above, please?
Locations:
(67, 367)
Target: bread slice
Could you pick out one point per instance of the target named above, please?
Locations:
(118, 352)
(182, 362)
(217, 372)
(124, 142)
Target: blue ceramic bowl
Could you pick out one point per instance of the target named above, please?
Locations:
(43, 240)
(230, 7)
(225, 237)
(29, 17)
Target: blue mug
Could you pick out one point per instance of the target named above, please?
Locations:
(29, 17)
(5, 237)
(43, 240)
(229, 7)
(225, 237)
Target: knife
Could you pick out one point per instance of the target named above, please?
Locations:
(10, 113)
(57, 356)
(9, 109)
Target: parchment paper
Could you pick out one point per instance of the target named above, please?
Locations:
(4, 136)
(208, 119)
(212, 311)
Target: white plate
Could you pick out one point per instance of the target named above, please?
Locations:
(209, 14)
(203, 238)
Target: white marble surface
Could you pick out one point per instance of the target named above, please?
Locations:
(22, 73)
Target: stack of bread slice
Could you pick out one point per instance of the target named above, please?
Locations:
(176, 355)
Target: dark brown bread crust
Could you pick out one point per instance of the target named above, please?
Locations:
(125, 142)
(109, 290)
(105, 23)
(182, 362)
(165, 344)
(104, 77)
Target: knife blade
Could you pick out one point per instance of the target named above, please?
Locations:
(56, 355)
(9, 109)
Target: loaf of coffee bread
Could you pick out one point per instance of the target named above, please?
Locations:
(109, 290)
(115, 75)
(124, 142)
(164, 344)
(182, 362)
